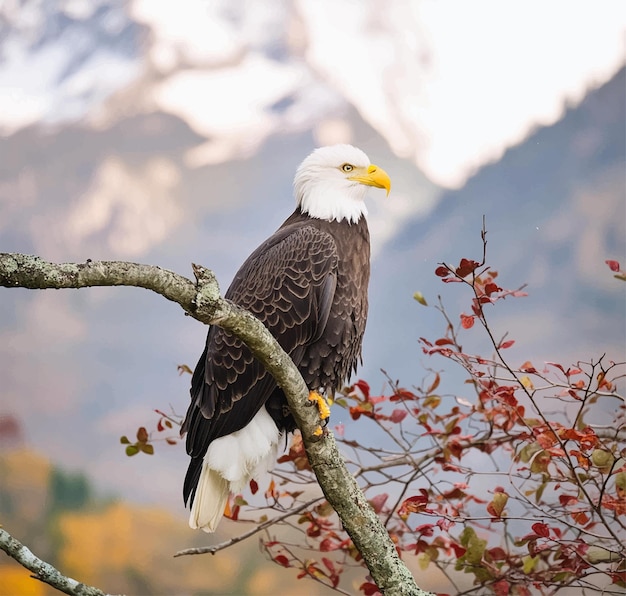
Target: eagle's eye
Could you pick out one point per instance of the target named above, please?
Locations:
(346, 167)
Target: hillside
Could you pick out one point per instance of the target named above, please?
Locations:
(120, 547)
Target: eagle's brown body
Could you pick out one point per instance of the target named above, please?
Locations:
(308, 285)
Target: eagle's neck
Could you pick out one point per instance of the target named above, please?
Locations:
(324, 200)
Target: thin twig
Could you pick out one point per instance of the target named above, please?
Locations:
(202, 550)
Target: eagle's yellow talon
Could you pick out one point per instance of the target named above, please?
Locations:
(318, 432)
(322, 405)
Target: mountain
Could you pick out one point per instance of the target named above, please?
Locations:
(79, 369)
(555, 210)
(117, 546)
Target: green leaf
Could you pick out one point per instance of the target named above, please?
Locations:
(423, 560)
(132, 450)
(475, 551)
(528, 451)
(420, 298)
(475, 546)
(432, 401)
(601, 458)
(498, 503)
(324, 509)
(529, 563)
(183, 368)
(147, 448)
(540, 490)
(124, 440)
(540, 462)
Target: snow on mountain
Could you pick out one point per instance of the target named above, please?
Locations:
(449, 84)
(453, 84)
(61, 59)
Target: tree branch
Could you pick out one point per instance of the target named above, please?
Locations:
(203, 302)
(44, 571)
(266, 524)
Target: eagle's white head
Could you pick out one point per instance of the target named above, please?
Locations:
(332, 182)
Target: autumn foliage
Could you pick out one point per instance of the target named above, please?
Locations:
(510, 481)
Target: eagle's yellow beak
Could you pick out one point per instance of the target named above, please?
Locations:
(374, 176)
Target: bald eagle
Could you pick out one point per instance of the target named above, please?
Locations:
(308, 284)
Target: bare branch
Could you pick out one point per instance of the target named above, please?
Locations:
(44, 571)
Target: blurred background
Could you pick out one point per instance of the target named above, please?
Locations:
(168, 133)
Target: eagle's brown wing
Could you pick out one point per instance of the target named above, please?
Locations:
(288, 283)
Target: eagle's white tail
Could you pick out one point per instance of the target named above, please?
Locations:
(229, 464)
(210, 500)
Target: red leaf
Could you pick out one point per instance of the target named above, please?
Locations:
(444, 524)
(541, 529)
(398, 415)
(364, 387)
(497, 553)
(369, 589)
(467, 321)
(378, 502)
(613, 265)
(455, 493)
(425, 530)
(442, 271)
(459, 551)
(414, 504)
(466, 266)
(282, 560)
(434, 384)
(566, 500)
(357, 411)
(327, 545)
(556, 365)
(254, 487)
(490, 288)
(328, 564)
(402, 395)
(142, 434)
(507, 344)
(501, 588)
